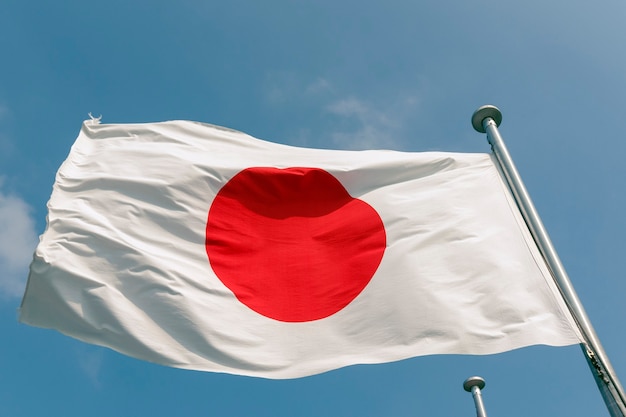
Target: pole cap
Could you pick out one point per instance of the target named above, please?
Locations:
(473, 381)
(484, 112)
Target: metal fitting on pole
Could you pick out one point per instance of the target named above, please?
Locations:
(474, 384)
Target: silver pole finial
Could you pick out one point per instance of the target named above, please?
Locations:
(484, 112)
(474, 384)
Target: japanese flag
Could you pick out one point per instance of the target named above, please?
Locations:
(200, 247)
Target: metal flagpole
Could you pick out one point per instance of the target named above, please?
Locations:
(486, 120)
(474, 384)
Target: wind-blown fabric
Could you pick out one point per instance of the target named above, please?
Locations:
(200, 247)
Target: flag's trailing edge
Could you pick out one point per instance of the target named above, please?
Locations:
(200, 247)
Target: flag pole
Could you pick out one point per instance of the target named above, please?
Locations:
(474, 384)
(486, 120)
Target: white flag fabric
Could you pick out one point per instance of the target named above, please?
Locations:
(200, 247)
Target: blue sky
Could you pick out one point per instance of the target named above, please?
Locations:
(397, 74)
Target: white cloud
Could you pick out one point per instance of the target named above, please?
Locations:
(282, 87)
(318, 86)
(17, 242)
(90, 360)
(355, 123)
(285, 87)
(369, 126)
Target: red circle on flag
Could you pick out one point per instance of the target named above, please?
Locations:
(292, 244)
